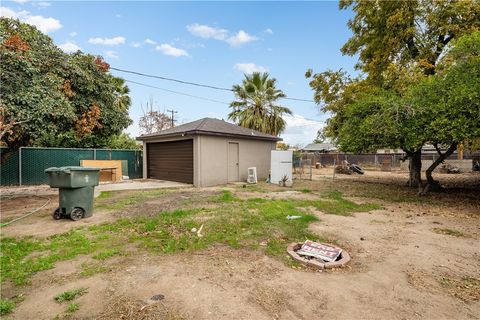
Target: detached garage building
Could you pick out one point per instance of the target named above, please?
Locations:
(206, 152)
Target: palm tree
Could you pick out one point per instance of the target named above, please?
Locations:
(255, 106)
(121, 91)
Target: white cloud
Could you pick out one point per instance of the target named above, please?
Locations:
(46, 25)
(73, 34)
(20, 1)
(69, 47)
(207, 32)
(111, 54)
(240, 39)
(169, 50)
(300, 130)
(9, 13)
(268, 31)
(107, 41)
(135, 44)
(150, 41)
(43, 24)
(41, 4)
(249, 67)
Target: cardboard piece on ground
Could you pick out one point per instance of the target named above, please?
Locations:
(105, 175)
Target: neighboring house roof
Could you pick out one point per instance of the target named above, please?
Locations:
(320, 147)
(210, 126)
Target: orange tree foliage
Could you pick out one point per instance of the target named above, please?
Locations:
(51, 98)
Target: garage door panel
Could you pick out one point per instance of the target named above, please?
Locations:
(171, 160)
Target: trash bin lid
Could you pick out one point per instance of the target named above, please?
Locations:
(68, 169)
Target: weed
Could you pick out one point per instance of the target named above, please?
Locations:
(105, 195)
(70, 295)
(103, 255)
(336, 204)
(90, 269)
(225, 196)
(306, 190)
(449, 232)
(465, 288)
(6, 306)
(72, 307)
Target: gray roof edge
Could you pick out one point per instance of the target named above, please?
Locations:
(207, 133)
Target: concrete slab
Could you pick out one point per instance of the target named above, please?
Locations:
(139, 185)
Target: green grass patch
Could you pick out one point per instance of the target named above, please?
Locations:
(72, 307)
(388, 193)
(92, 268)
(225, 196)
(6, 306)
(103, 255)
(336, 204)
(104, 195)
(232, 221)
(449, 232)
(306, 190)
(70, 295)
(128, 198)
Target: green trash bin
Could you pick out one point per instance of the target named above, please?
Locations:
(76, 186)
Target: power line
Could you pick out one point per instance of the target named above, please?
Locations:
(177, 92)
(171, 79)
(193, 83)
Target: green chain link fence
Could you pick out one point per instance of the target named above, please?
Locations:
(26, 166)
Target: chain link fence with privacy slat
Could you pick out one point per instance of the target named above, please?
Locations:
(26, 166)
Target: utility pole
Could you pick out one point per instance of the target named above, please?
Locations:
(173, 116)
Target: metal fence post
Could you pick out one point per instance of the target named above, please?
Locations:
(20, 166)
(94, 154)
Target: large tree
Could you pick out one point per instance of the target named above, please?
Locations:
(450, 100)
(50, 98)
(256, 105)
(398, 44)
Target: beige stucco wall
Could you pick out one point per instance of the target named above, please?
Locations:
(213, 163)
(210, 163)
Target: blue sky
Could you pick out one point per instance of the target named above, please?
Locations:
(206, 42)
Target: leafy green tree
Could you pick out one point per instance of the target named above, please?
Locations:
(52, 98)
(255, 105)
(123, 141)
(450, 100)
(398, 43)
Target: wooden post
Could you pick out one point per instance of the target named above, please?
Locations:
(460, 151)
(333, 178)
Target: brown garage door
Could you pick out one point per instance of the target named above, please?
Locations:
(171, 160)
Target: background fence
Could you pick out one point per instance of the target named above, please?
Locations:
(382, 160)
(26, 166)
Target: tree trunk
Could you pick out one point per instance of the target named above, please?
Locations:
(415, 168)
(432, 184)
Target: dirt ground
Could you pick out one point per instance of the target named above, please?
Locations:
(400, 269)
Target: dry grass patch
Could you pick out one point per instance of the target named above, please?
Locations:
(128, 308)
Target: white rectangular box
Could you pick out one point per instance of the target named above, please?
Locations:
(281, 165)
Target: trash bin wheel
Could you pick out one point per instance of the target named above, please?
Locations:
(76, 214)
(57, 214)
